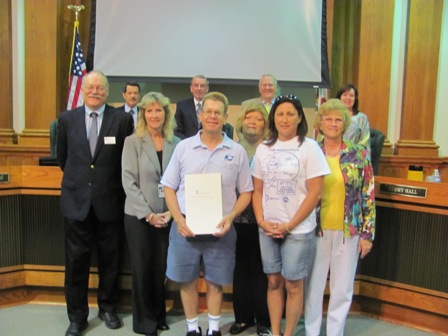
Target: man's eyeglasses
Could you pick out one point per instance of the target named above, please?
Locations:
(210, 113)
(91, 88)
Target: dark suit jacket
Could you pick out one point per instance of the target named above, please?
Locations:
(187, 120)
(92, 181)
(121, 108)
(228, 129)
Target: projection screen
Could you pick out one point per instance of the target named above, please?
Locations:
(229, 41)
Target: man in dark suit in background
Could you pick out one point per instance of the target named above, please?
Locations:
(131, 96)
(187, 110)
(90, 143)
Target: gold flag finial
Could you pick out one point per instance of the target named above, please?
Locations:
(77, 9)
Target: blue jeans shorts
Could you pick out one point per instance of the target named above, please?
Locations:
(292, 256)
(186, 255)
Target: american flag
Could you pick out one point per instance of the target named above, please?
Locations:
(77, 71)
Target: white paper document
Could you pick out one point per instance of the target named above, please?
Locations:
(203, 202)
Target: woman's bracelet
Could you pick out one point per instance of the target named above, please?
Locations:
(150, 216)
(286, 227)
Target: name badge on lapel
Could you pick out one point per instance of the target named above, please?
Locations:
(160, 192)
(110, 140)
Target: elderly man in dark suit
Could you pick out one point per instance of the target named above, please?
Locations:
(187, 110)
(90, 143)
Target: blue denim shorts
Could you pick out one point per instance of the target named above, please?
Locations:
(292, 256)
(186, 255)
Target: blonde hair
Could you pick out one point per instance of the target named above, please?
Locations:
(255, 107)
(217, 96)
(168, 124)
(332, 106)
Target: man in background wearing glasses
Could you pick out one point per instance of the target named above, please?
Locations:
(267, 86)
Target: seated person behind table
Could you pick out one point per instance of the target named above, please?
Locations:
(187, 111)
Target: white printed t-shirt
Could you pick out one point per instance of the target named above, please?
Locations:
(284, 168)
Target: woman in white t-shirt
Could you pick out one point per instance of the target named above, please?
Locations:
(288, 171)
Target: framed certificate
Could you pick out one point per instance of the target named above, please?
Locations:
(203, 202)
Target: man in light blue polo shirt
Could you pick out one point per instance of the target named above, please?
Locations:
(209, 151)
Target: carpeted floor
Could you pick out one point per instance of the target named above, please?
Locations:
(49, 320)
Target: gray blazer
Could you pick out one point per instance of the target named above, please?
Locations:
(141, 174)
(248, 102)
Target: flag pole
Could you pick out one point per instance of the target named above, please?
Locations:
(77, 67)
(76, 9)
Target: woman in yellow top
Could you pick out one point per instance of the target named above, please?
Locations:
(345, 221)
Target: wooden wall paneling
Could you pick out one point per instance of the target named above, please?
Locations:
(18, 155)
(398, 165)
(398, 314)
(40, 77)
(421, 69)
(7, 133)
(374, 61)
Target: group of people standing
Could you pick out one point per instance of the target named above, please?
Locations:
(293, 208)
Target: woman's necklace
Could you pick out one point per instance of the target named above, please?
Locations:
(334, 152)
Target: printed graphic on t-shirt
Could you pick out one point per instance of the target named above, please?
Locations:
(281, 170)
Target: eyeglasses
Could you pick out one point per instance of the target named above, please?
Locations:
(329, 120)
(286, 98)
(91, 88)
(210, 113)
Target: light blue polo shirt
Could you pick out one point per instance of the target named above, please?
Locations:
(191, 156)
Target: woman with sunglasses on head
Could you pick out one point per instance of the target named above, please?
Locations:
(346, 221)
(289, 171)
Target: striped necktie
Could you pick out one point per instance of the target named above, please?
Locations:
(198, 110)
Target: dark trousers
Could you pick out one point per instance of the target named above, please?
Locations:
(148, 247)
(80, 238)
(250, 284)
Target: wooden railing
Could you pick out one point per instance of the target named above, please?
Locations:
(403, 278)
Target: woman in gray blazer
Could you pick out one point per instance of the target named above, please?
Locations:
(146, 154)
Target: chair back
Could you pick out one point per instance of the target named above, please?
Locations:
(53, 138)
(376, 146)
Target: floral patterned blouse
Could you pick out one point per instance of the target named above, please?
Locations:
(359, 207)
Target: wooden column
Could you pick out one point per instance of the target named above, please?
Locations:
(7, 133)
(419, 96)
(374, 61)
(40, 63)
